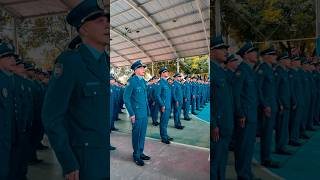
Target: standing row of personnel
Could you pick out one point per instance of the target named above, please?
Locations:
(158, 95)
(22, 89)
(250, 98)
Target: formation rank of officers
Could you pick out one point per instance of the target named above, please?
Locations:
(252, 98)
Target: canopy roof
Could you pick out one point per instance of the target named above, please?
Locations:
(150, 30)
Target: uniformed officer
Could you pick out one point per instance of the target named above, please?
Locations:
(284, 103)
(268, 103)
(246, 104)
(193, 95)
(297, 102)
(221, 109)
(314, 98)
(136, 101)
(186, 98)
(317, 87)
(77, 97)
(231, 65)
(177, 97)
(113, 103)
(7, 108)
(306, 84)
(199, 91)
(24, 112)
(111, 100)
(313, 95)
(154, 106)
(163, 95)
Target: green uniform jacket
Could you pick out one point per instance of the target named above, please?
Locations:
(75, 108)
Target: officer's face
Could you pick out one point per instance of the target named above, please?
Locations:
(140, 71)
(97, 30)
(251, 56)
(296, 63)
(19, 69)
(220, 54)
(233, 65)
(165, 74)
(7, 63)
(286, 62)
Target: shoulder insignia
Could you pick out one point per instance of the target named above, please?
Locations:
(4, 92)
(238, 73)
(58, 70)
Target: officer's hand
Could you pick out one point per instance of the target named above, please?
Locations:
(267, 111)
(74, 175)
(215, 134)
(281, 108)
(154, 103)
(185, 100)
(177, 104)
(294, 107)
(133, 119)
(193, 97)
(242, 122)
(163, 108)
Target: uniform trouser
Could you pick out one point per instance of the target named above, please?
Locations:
(244, 148)
(154, 112)
(219, 158)
(36, 135)
(139, 129)
(193, 105)
(115, 111)
(317, 111)
(177, 112)
(311, 115)
(164, 120)
(5, 151)
(267, 126)
(282, 129)
(198, 102)
(305, 116)
(19, 160)
(297, 115)
(186, 109)
(202, 100)
(94, 162)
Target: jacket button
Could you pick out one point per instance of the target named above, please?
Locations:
(86, 144)
(95, 93)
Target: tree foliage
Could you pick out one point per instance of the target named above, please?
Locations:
(265, 20)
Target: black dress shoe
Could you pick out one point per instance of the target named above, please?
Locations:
(311, 129)
(271, 164)
(139, 162)
(187, 119)
(155, 124)
(283, 152)
(111, 148)
(144, 157)
(195, 113)
(179, 127)
(42, 147)
(166, 141)
(170, 138)
(294, 143)
(114, 129)
(304, 136)
(35, 161)
(317, 123)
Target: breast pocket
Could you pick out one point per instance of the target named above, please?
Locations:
(94, 91)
